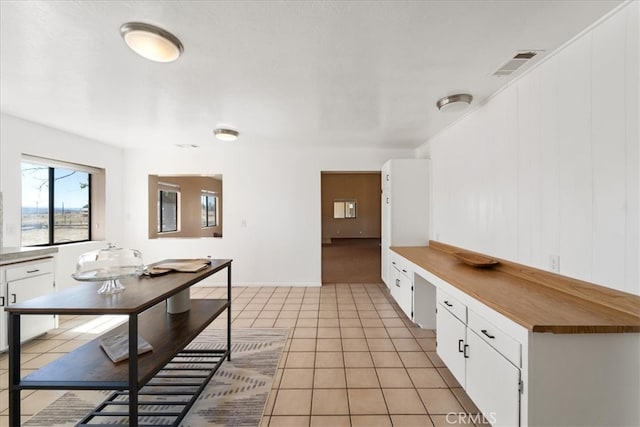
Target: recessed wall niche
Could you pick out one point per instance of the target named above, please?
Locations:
(185, 206)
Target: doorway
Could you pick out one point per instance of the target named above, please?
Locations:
(351, 226)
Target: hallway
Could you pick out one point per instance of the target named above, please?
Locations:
(351, 261)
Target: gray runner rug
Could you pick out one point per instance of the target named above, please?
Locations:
(235, 396)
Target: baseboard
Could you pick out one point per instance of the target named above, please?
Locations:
(263, 284)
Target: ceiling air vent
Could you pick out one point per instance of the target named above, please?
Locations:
(516, 62)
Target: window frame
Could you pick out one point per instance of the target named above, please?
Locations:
(164, 187)
(342, 210)
(52, 166)
(208, 194)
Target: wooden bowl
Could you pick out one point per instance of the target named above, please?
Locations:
(475, 260)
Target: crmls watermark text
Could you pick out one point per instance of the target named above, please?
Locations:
(464, 418)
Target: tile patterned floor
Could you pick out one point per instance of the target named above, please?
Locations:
(352, 359)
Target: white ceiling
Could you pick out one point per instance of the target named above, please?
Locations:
(303, 73)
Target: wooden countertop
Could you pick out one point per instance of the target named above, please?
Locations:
(535, 299)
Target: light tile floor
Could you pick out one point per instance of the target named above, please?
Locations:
(352, 358)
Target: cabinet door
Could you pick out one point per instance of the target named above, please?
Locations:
(492, 383)
(3, 316)
(32, 287)
(394, 281)
(386, 175)
(402, 292)
(450, 335)
(387, 270)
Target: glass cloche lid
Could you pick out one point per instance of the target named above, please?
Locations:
(109, 265)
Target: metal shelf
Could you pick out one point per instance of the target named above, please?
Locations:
(89, 368)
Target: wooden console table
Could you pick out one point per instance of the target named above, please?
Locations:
(89, 368)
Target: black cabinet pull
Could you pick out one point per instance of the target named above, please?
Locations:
(484, 331)
(460, 350)
(33, 271)
(2, 303)
(398, 283)
(466, 347)
(13, 298)
(404, 271)
(448, 304)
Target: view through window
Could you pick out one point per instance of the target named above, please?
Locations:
(168, 209)
(209, 205)
(56, 204)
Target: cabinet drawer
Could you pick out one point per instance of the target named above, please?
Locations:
(453, 305)
(28, 269)
(402, 265)
(495, 337)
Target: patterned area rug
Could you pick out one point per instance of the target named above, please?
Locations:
(235, 396)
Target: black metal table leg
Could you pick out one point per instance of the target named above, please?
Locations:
(133, 369)
(229, 311)
(14, 369)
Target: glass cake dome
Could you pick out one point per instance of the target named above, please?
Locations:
(109, 265)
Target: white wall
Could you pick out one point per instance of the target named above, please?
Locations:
(18, 136)
(274, 192)
(550, 165)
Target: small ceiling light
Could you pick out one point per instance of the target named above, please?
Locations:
(151, 42)
(456, 102)
(226, 134)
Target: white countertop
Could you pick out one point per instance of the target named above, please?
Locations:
(9, 255)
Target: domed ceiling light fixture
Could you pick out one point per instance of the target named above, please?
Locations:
(225, 133)
(151, 42)
(456, 102)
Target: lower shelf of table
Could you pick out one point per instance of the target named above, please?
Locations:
(88, 367)
(167, 398)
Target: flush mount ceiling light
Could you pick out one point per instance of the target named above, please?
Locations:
(151, 42)
(456, 102)
(226, 134)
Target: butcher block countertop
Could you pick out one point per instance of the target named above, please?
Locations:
(535, 299)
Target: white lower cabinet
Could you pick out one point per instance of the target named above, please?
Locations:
(402, 291)
(28, 288)
(492, 382)
(401, 283)
(451, 342)
(490, 379)
(20, 282)
(518, 377)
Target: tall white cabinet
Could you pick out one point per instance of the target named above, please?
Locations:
(405, 218)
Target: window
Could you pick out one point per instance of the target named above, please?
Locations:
(209, 212)
(344, 208)
(56, 202)
(168, 199)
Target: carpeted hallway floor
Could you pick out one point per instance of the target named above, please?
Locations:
(351, 261)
